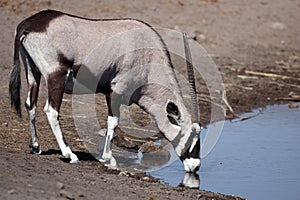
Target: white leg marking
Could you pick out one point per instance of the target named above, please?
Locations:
(52, 115)
(28, 99)
(31, 114)
(112, 123)
(36, 148)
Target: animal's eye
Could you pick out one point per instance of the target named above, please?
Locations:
(172, 109)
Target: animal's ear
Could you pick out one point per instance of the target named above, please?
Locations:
(173, 113)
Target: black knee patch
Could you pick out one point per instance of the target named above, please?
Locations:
(28, 107)
(64, 139)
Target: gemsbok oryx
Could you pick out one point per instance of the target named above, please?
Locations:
(129, 64)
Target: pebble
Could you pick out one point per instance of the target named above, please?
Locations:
(12, 191)
(93, 182)
(5, 124)
(293, 58)
(293, 105)
(198, 36)
(201, 37)
(66, 194)
(177, 28)
(278, 26)
(146, 178)
(60, 185)
(81, 195)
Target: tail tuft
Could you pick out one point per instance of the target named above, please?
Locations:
(15, 80)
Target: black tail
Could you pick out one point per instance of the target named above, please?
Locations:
(15, 79)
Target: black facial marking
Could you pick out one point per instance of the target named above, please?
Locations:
(195, 153)
(172, 109)
(173, 113)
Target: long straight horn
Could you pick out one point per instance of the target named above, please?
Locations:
(191, 78)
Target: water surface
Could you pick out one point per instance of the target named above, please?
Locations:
(257, 158)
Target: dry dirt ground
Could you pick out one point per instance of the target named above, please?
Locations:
(255, 45)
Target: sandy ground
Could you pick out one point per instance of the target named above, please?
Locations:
(255, 45)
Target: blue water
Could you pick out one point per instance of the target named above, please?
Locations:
(258, 158)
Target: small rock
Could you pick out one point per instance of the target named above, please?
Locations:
(180, 3)
(105, 9)
(60, 185)
(293, 58)
(177, 28)
(12, 191)
(277, 26)
(93, 182)
(5, 124)
(198, 36)
(66, 194)
(81, 195)
(293, 105)
(264, 3)
(291, 94)
(146, 178)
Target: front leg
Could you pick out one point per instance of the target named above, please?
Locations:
(113, 104)
(107, 157)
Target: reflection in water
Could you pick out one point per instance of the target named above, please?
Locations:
(131, 160)
(190, 180)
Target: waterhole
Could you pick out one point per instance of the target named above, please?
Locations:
(258, 158)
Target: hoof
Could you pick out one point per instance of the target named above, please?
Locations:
(36, 150)
(75, 162)
(110, 163)
(113, 167)
(74, 158)
(100, 159)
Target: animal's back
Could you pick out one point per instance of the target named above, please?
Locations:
(122, 48)
(76, 37)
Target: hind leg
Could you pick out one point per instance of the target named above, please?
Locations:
(31, 109)
(33, 82)
(55, 84)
